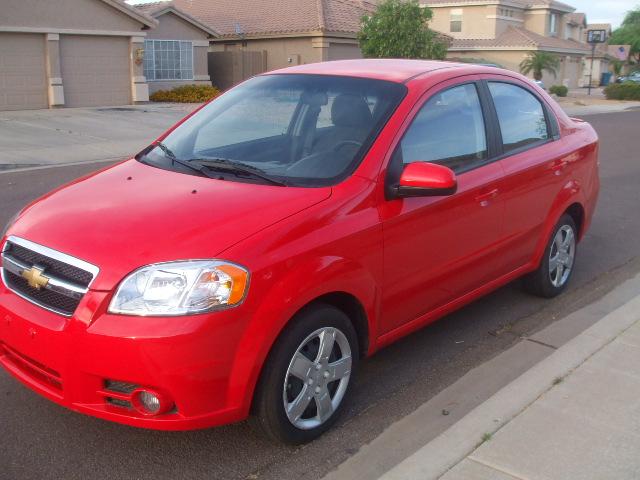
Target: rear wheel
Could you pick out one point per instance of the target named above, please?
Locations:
(556, 267)
(306, 379)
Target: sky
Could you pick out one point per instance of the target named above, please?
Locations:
(604, 11)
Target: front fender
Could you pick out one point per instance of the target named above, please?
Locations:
(296, 286)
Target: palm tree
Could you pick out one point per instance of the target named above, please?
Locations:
(538, 62)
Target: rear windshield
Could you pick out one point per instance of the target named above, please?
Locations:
(297, 130)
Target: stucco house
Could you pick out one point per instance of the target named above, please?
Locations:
(71, 53)
(504, 31)
(279, 33)
(175, 51)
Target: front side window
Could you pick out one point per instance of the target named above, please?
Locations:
(520, 114)
(168, 60)
(456, 20)
(448, 130)
(302, 130)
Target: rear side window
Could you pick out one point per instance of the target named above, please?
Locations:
(449, 130)
(520, 114)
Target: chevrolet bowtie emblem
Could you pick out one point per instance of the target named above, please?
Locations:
(35, 278)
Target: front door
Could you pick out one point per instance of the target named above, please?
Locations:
(437, 249)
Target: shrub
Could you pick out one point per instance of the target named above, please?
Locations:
(623, 91)
(186, 94)
(559, 90)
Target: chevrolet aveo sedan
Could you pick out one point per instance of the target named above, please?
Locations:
(246, 261)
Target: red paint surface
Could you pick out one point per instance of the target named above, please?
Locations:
(407, 261)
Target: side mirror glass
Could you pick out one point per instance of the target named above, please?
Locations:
(423, 179)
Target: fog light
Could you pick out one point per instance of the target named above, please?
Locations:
(149, 402)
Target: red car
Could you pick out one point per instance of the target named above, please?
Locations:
(250, 257)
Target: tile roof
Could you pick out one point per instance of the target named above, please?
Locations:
(514, 37)
(156, 9)
(232, 18)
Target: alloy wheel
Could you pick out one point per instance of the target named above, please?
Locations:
(317, 378)
(562, 256)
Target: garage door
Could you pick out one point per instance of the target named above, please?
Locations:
(22, 71)
(95, 70)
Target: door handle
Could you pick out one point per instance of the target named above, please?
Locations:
(484, 198)
(558, 167)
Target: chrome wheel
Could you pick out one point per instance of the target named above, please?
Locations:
(317, 378)
(562, 256)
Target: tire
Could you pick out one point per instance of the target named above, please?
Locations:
(332, 376)
(546, 281)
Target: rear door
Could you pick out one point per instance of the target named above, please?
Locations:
(437, 249)
(533, 166)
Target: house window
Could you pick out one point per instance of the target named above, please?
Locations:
(456, 20)
(168, 60)
(553, 23)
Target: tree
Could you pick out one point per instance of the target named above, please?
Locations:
(398, 29)
(539, 62)
(629, 34)
(617, 67)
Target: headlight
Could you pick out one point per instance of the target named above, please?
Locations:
(181, 288)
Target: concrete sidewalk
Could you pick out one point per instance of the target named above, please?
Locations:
(574, 415)
(587, 426)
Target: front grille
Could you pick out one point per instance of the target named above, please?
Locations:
(51, 265)
(46, 298)
(67, 278)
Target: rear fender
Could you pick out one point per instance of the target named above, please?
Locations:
(571, 193)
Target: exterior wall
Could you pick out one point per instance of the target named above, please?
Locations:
(600, 66)
(66, 14)
(478, 21)
(172, 27)
(281, 52)
(504, 22)
(537, 21)
(344, 51)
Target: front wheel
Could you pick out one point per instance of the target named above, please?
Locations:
(556, 267)
(306, 378)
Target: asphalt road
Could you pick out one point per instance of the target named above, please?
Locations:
(40, 440)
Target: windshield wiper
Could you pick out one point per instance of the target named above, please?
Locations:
(231, 166)
(195, 167)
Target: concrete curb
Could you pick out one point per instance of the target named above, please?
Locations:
(452, 446)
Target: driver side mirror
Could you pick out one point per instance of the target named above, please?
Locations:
(424, 179)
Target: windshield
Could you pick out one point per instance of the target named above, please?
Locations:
(297, 130)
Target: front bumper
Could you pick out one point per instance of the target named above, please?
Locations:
(75, 361)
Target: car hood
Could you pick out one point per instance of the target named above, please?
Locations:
(133, 214)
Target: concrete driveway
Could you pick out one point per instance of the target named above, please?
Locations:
(33, 138)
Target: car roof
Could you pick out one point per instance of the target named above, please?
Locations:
(395, 70)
